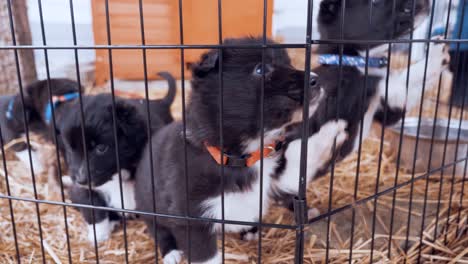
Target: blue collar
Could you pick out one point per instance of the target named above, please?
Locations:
(9, 111)
(56, 101)
(353, 61)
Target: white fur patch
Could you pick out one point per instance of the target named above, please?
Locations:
(173, 257)
(368, 119)
(103, 230)
(312, 213)
(242, 206)
(23, 156)
(396, 92)
(319, 152)
(111, 191)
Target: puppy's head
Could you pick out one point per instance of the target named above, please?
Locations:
(390, 19)
(100, 143)
(242, 77)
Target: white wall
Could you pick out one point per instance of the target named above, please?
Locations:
(58, 31)
(290, 20)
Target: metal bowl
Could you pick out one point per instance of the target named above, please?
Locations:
(437, 136)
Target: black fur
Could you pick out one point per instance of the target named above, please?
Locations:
(349, 99)
(352, 96)
(36, 96)
(12, 127)
(100, 143)
(241, 122)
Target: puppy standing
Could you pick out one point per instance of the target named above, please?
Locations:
(359, 98)
(242, 78)
(99, 149)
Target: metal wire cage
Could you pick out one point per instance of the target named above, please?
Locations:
(418, 221)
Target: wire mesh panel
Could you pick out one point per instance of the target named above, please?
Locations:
(348, 146)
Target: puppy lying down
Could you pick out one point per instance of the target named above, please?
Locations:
(93, 162)
(168, 192)
(12, 126)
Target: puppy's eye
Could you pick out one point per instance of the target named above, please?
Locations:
(101, 149)
(259, 70)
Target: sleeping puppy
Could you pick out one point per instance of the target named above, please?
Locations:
(242, 78)
(98, 151)
(357, 98)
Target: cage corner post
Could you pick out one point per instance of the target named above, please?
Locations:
(8, 78)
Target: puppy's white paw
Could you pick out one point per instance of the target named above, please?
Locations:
(312, 213)
(341, 136)
(438, 59)
(335, 129)
(103, 230)
(250, 236)
(173, 257)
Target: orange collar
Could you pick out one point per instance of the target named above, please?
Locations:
(247, 160)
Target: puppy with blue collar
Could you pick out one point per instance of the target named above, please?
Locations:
(356, 85)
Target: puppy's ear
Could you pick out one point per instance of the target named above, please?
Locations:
(330, 10)
(207, 63)
(127, 117)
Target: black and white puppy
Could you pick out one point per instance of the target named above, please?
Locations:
(242, 78)
(12, 127)
(37, 110)
(99, 150)
(357, 98)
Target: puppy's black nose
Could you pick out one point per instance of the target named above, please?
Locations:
(313, 81)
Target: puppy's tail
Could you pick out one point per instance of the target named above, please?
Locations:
(171, 89)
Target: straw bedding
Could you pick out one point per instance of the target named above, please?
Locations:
(277, 245)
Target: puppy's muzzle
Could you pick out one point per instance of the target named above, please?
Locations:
(81, 177)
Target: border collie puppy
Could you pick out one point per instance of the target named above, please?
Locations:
(38, 113)
(98, 151)
(242, 81)
(357, 97)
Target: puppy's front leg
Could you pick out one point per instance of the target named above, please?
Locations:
(103, 221)
(396, 99)
(202, 244)
(319, 154)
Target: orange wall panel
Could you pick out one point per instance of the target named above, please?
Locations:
(161, 25)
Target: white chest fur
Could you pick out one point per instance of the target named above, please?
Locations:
(243, 206)
(111, 191)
